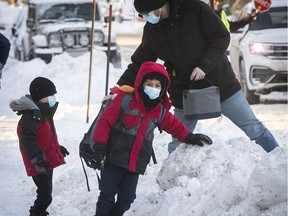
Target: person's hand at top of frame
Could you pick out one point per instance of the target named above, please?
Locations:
(254, 16)
(197, 74)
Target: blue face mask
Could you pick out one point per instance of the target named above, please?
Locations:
(152, 93)
(51, 100)
(151, 17)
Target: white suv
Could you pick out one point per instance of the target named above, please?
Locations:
(258, 52)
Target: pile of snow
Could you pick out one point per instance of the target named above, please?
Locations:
(232, 178)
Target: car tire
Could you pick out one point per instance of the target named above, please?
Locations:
(31, 55)
(19, 54)
(250, 95)
(116, 59)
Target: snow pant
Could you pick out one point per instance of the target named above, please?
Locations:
(116, 180)
(44, 192)
(238, 110)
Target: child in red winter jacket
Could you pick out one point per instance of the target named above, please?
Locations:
(123, 139)
(38, 141)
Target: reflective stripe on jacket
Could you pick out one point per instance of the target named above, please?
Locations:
(225, 20)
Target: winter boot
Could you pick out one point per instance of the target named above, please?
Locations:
(33, 212)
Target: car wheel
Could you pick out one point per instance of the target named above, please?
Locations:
(31, 55)
(116, 59)
(18, 54)
(250, 95)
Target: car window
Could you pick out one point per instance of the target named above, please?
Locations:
(67, 11)
(31, 12)
(274, 18)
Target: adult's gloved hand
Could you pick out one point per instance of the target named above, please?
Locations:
(64, 151)
(255, 16)
(41, 165)
(197, 139)
(251, 17)
(100, 152)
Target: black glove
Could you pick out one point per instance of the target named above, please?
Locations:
(197, 139)
(99, 155)
(41, 164)
(252, 17)
(64, 151)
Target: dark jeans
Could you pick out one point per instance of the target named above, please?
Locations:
(116, 180)
(44, 192)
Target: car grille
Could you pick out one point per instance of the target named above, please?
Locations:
(279, 51)
(264, 75)
(74, 39)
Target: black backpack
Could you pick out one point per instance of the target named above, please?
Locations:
(85, 147)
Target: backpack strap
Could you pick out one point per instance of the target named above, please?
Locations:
(126, 101)
(85, 173)
(162, 114)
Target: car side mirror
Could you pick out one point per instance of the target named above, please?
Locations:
(106, 19)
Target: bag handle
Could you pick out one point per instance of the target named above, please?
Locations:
(193, 81)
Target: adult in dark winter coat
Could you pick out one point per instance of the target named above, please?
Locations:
(38, 141)
(125, 138)
(4, 52)
(191, 40)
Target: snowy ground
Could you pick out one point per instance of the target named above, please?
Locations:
(232, 177)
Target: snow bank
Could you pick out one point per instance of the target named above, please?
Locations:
(227, 178)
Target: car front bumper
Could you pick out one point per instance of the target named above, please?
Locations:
(271, 75)
(46, 54)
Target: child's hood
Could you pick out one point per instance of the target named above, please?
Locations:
(24, 103)
(152, 67)
(149, 67)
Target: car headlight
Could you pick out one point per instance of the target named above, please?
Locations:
(54, 40)
(84, 40)
(69, 40)
(98, 37)
(260, 48)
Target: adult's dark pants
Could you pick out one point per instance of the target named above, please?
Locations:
(116, 180)
(44, 191)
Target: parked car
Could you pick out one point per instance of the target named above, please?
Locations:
(258, 52)
(45, 28)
